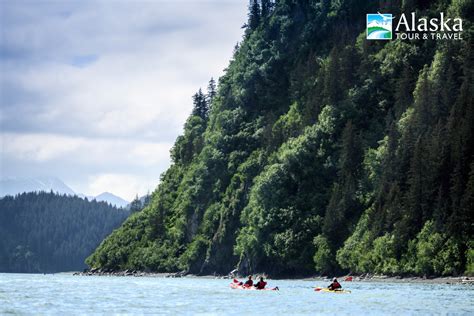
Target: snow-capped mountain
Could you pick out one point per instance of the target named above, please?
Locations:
(15, 185)
(110, 198)
(375, 23)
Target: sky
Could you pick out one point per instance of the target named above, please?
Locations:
(96, 92)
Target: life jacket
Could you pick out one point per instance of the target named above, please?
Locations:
(249, 283)
(261, 285)
(336, 285)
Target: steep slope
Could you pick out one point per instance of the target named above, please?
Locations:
(321, 152)
(45, 232)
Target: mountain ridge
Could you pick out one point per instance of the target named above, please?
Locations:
(17, 185)
(46, 232)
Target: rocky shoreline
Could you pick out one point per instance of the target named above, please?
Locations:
(348, 278)
(134, 273)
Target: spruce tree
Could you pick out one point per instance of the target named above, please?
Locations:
(211, 91)
(254, 15)
(403, 92)
(266, 7)
(344, 208)
(200, 105)
(136, 205)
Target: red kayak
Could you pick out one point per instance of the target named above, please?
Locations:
(236, 285)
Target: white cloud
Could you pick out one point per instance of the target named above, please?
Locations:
(87, 160)
(95, 90)
(37, 148)
(120, 184)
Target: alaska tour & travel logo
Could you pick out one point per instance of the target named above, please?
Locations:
(409, 27)
(379, 26)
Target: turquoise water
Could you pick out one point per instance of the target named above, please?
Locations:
(65, 294)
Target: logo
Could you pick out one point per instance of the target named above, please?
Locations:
(379, 26)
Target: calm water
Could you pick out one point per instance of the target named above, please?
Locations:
(66, 294)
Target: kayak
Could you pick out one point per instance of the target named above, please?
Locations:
(237, 286)
(326, 290)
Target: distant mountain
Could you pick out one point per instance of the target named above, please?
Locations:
(384, 25)
(15, 185)
(110, 198)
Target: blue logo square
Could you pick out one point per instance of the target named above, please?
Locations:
(379, 26)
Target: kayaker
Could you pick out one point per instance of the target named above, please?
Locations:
(249, 282)
(260, 284)
(334, 285)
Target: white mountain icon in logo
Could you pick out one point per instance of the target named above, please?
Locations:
(379, 26)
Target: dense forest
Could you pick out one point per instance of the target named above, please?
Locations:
(46, 232)
(320, 152)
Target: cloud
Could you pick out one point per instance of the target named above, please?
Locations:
(37, 148)
(120, 184)
(85, 161)
(97, 87)
(83, 60)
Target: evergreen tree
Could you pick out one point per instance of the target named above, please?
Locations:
(423, 101)
(332, 79)
(211, 92)
(254, 15)
(200, 105)
(266, 8)
(344, 207)
(404, 92)
(46, 232)
(136, 205)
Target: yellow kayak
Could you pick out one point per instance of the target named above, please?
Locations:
(324, 289)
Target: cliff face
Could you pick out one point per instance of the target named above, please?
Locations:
(321, 152)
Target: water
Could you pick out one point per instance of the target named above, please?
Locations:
(64, 294)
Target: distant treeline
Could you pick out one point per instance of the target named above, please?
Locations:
(45, 232)
(320, 152)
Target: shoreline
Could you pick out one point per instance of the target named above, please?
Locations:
(355, 278)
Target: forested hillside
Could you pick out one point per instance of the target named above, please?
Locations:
(45, 232)
(320, 152)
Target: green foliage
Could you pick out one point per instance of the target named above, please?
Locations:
(355, 254)
(44, 232)
(383, 255)
(434, 254)
(319, 151)
(323, 257)
(288, 125)
(470, 259)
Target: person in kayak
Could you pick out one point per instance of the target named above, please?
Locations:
(334, 285)
(260, 284)
(249, 282)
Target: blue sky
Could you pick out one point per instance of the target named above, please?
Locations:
(95, 92)
(377, 17)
